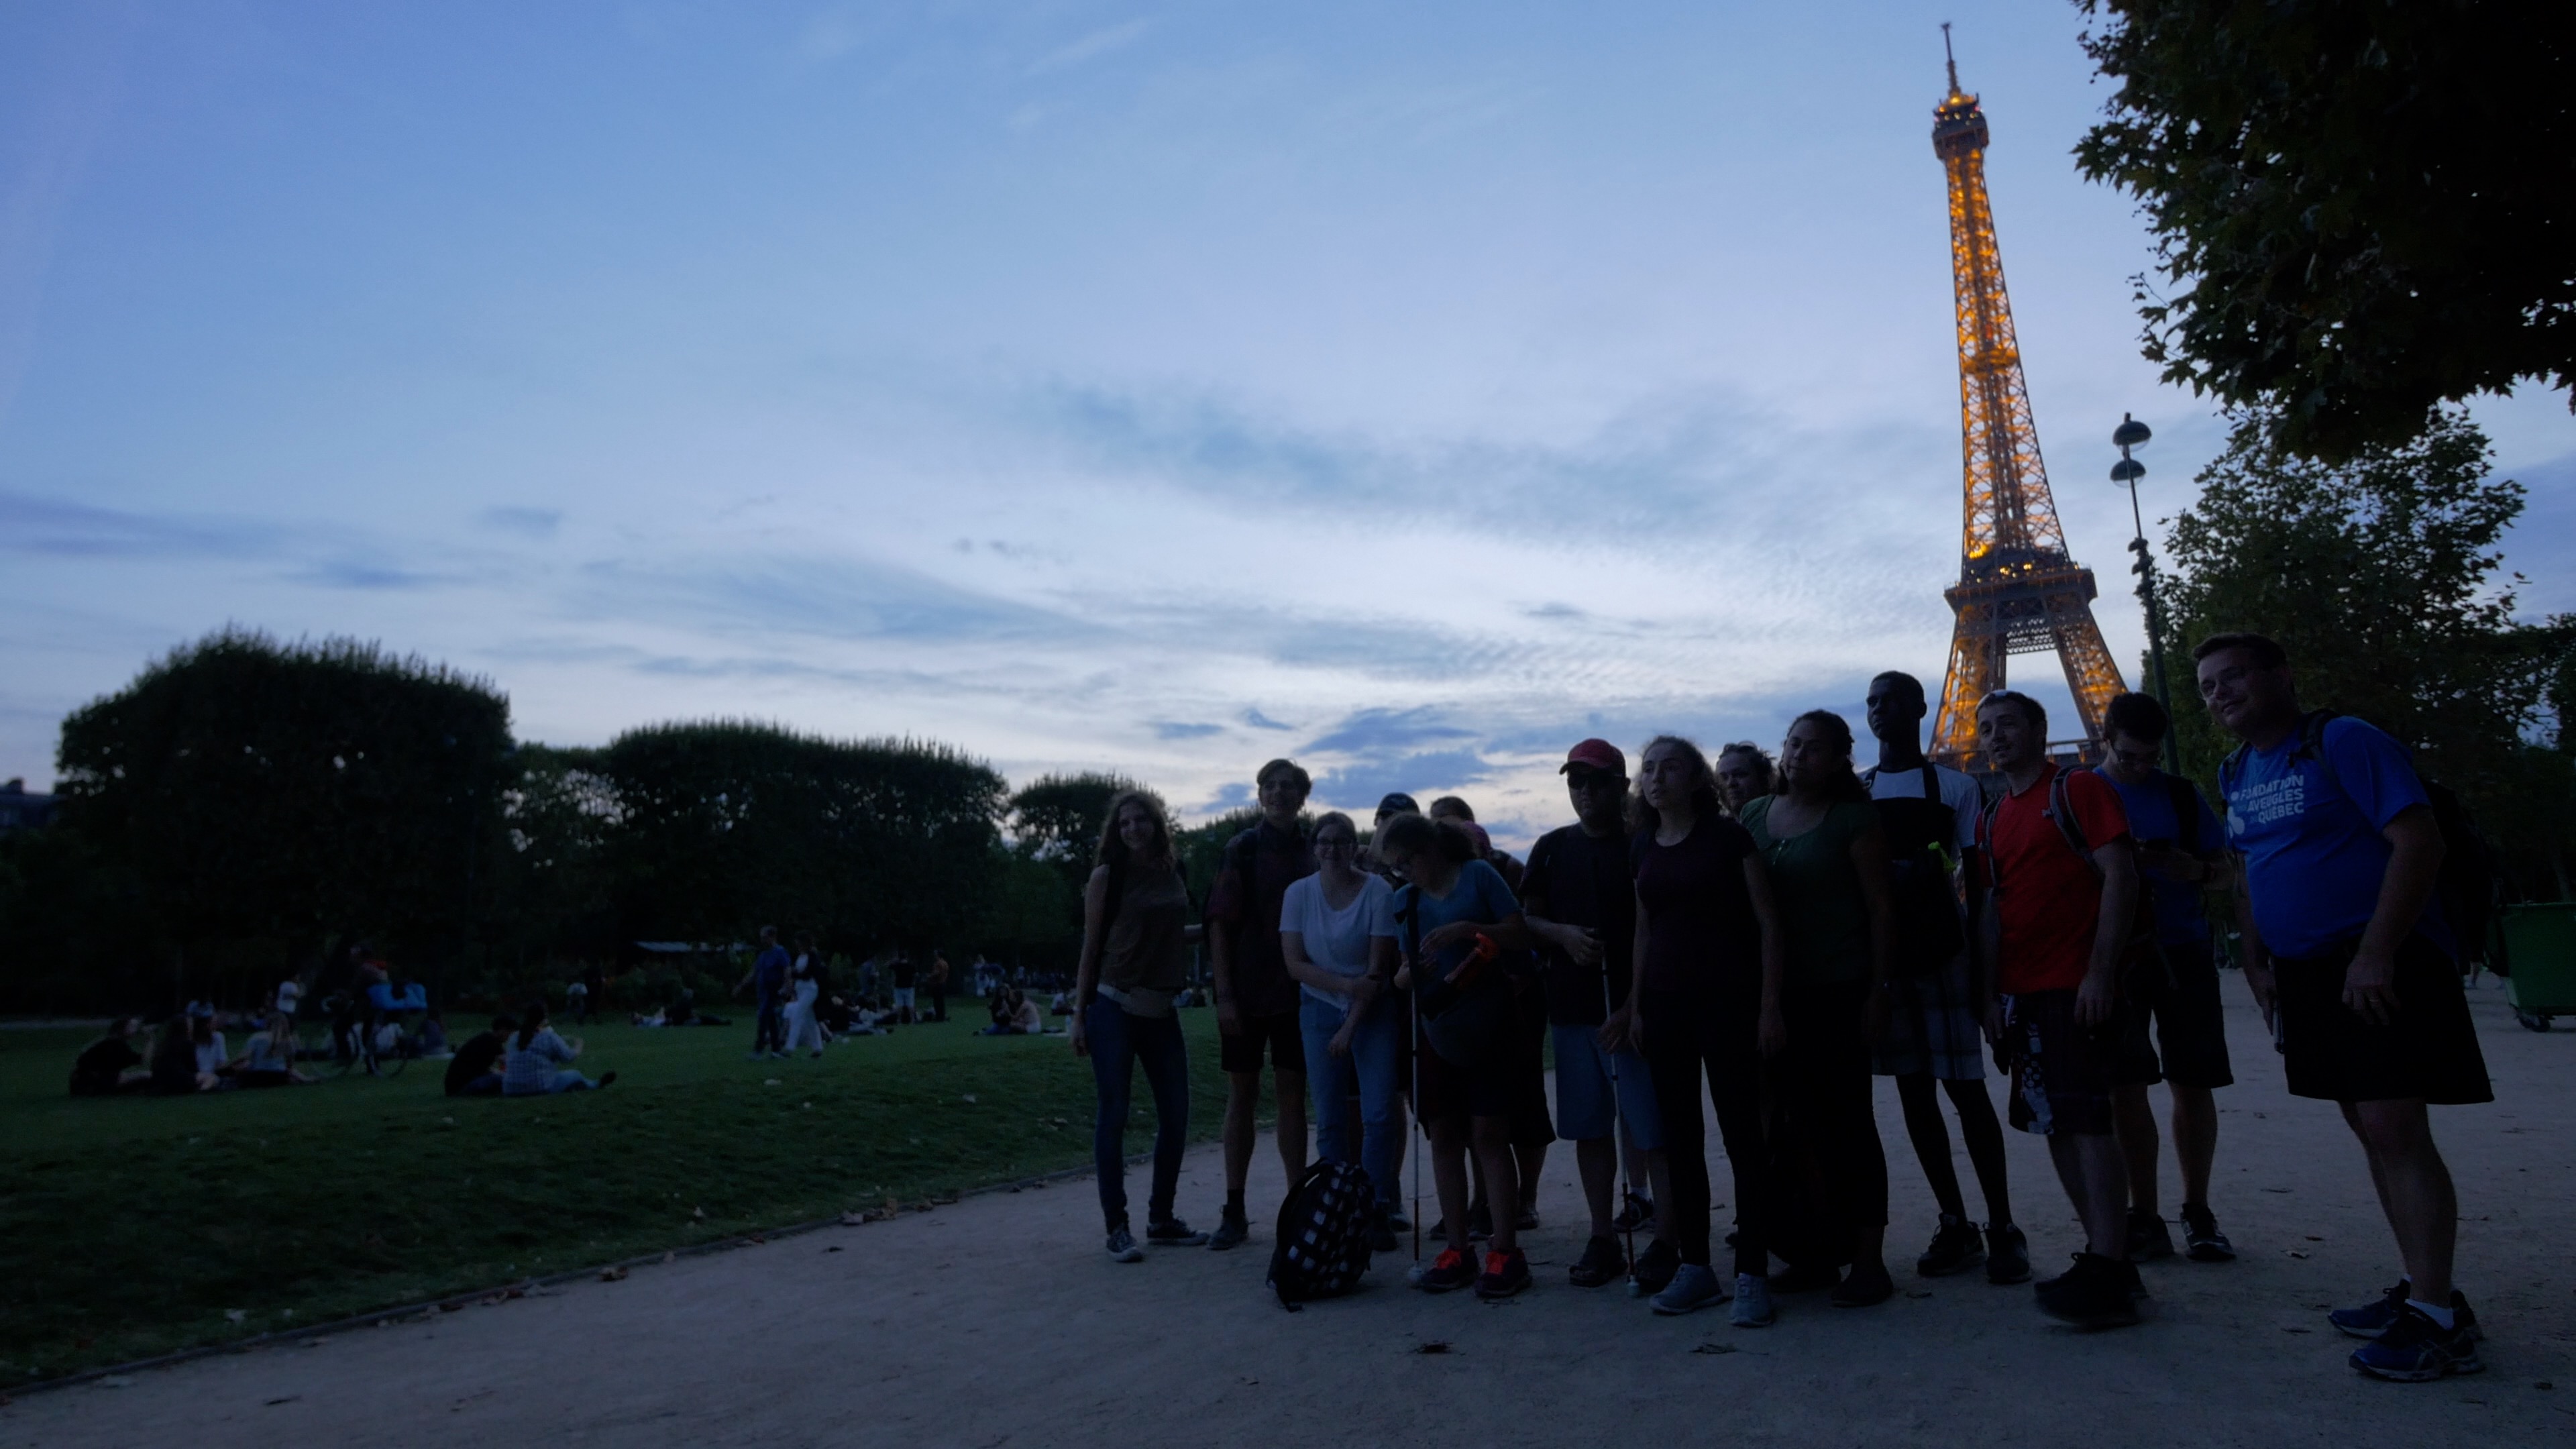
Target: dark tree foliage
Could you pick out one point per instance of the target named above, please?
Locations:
(556, 889)
(2365, 207)
(722, 828)
(1058, 819)
(269, 796)
(2378, 577)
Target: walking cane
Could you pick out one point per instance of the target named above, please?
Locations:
(1413, 1054)
(1619, 1139)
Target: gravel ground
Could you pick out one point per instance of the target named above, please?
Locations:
(999, 1321)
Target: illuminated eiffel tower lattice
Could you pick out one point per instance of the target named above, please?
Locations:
(2018, 591)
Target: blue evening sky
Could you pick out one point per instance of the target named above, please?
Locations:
(1412, 389)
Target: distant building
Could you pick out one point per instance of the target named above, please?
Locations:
(20, 809)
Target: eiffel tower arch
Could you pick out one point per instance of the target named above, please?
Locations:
(2019, 591)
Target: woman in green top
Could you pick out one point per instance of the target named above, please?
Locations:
(1828, 858)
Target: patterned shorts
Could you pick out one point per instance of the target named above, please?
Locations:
(1934, 1025)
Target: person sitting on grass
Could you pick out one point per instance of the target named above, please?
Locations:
(268, 1058)
(111, 1064)
(433, 1037)
(533, 1063)
(174, 1062)
(1015, 1015)
(475, 1069)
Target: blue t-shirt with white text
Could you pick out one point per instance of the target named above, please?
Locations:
(2180, 920)
(2310, 833)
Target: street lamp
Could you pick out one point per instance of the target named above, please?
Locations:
(2134, 434)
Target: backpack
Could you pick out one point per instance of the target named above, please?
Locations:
(1323, 1235)
(2470, 887)
(1919, 837)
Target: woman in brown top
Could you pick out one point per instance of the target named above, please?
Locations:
(1135, 933)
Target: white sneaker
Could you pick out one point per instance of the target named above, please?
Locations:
(1694, 1287)
(1752, 1301)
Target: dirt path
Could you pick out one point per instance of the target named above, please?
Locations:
(998, 1321)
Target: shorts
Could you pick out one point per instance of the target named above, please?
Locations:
(1584, 1086)
(1935, 1025)
(2063, 1072)
(902, 997)
(1276, 1033)
(1512, 1086)
(2191, 1022)
(2430, 1051)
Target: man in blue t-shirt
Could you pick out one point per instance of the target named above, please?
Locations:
(2182, 859)
(2349, 957)
(768, 981)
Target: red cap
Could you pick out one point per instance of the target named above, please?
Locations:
(1596, 755)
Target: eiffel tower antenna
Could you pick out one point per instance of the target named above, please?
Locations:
(2019, 592)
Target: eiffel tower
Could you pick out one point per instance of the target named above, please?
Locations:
(2018, 591)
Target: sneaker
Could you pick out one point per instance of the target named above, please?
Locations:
(1601, 1262)
(608, 1079)
(1636, 1215)
(2415, 1349)
(1866, 1286)
(1955, 1249)
(1527, 1222)
(1173, 1233)
(1753, 1301)
(1397, 1220)
(2007, 1255)
(1794, 1279)
(2202, 1241)
(1438, 1232)
(2092, 1294)
(1122, 1246)
(1480, 1222)
(1653, 1269)
(2375, 1318)
(1694, 1287)
(2148, 1237)
(1231, 1230)
(1381, 1235)
(1505, 1274)
(1445, 1273)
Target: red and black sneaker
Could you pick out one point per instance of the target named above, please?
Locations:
(1446, 1273)
(1505, 1274)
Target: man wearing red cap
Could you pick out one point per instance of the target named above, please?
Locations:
(1580, 902)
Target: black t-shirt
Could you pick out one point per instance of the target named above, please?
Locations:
(1576, 879)
(1259, 865)
(96, 1070)
(905, 973)
(472, 1060)
(1701, 937)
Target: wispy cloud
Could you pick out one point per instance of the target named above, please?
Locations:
(1107, 40)
(1260, 721)
(1176, 730)
(33, 524)
(537, 523)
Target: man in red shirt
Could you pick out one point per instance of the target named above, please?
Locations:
(2062, 892)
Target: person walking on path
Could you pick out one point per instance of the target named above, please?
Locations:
(537, 1060)
(2062, 893)
(1704, 1005)
(1256, 1003)
(1460, 931)
(2182, 859)
(767, 981)
(2355, 966)
(1337, 930)
(1827, 854)
(1580, 901)
(1135, 960)
(1934, 1044)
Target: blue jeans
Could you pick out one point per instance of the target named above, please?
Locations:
(1119, 1043)
(566, 1080)
(1370, 1073)
(769, 1031)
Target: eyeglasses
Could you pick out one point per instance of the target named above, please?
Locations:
(1337, 842)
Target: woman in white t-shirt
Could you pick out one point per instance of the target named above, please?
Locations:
(804, 1025)
(1337, 930)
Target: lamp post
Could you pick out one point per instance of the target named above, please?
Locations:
(2134, 434)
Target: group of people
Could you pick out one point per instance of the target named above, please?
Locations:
(1765, 937)
(521, 1056)
(187, 1055)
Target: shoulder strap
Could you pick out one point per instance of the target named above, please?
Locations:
(1931, 783)
(2061, 809)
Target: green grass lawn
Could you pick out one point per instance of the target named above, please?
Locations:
(134, 1226)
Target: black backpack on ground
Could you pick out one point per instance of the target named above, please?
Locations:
(1920, 835)
(2470, 887)
(1323, 1235)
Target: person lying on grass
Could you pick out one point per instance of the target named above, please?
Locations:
(533, 1064)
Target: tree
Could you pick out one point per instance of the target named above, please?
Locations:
(264, 796)
(2369, 206)
(722, 828)
(1058, 819)
(2378, 577)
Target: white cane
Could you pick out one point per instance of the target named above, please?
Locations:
(1619, 1134)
